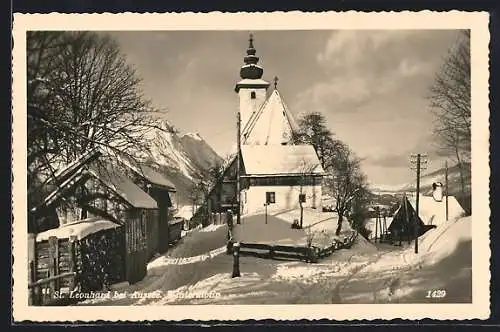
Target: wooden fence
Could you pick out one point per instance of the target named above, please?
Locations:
(52, 272)
(308, 254)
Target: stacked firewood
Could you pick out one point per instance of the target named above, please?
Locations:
(100, 260)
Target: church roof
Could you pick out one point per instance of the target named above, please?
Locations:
(271, 124)
(280, 160)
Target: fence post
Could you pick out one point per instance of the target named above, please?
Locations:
(236, 260)
(31, 279)
(53, 262)
(72, 262)
(229, 247)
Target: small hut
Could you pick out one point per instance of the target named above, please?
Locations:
(161, 221)
(403, 222)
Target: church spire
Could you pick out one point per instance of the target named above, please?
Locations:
(250, 70)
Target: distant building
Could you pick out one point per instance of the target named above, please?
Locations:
(273, 169)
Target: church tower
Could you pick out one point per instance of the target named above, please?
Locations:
(251, 88)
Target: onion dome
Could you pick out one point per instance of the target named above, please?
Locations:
(250, 70)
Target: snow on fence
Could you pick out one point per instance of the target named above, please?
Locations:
(87, 255)
(308, 254)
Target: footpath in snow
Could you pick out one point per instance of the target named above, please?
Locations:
(198, 271)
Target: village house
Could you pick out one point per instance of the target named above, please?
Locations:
(274, 172)
(92, 188)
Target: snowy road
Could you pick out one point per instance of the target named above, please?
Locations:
(362, 274)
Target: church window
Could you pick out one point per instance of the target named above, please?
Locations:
(252, 95)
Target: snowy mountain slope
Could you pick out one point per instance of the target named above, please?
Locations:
(182, 158)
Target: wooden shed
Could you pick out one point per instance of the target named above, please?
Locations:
(87, 255)
(161, 190)
(99, 189)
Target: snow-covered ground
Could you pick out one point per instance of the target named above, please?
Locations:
(199, 272)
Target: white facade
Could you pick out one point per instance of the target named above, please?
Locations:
(286, 198)
(251, 99)
(271, 124)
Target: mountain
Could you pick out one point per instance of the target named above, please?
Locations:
(182, 158)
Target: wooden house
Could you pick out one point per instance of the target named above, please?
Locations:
(160, 221)
(93, 187)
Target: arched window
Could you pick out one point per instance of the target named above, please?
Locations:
(252, 95)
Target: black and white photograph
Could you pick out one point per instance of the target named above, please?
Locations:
(251, 166)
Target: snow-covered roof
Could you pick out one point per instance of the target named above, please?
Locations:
(147, 172)
(433, 212)
(123, 186)
(280, 159)
(77, 163)
(156, 178)
(80, 229)
(272, 124)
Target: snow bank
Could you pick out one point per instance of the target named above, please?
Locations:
(440, 242)
(80, 229)
(165, 260)
(363, 246)
(211, 228)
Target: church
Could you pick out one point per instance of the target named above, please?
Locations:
(275, 174)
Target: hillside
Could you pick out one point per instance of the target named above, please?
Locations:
(454, 186)
(182, 158)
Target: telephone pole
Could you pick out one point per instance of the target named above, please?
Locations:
(419, 161)
(238, 198)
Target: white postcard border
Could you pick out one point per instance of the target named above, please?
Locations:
(476, 21)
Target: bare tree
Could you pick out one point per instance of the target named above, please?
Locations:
(81, 94)
(450, 99)
(346, 183)
(313, 130)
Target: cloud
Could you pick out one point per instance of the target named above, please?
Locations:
(425, 145)
(363, 66)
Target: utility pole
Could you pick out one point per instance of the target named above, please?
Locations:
(446, 186)
(238, 198)
(421, 161)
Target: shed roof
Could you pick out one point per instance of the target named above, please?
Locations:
(122, 186)
(148, 173)
(80, 229)
(280, 160)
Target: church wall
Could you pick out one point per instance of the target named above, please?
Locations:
(287, 197)
(248, 105)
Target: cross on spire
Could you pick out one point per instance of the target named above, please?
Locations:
(276, 82)
(250, 40)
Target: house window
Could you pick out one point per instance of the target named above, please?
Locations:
(252, 95)
(270, 197)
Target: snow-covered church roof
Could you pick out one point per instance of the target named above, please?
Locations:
(280, 160)
(271, 124)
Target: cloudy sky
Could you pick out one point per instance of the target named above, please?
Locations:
(370, 85)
